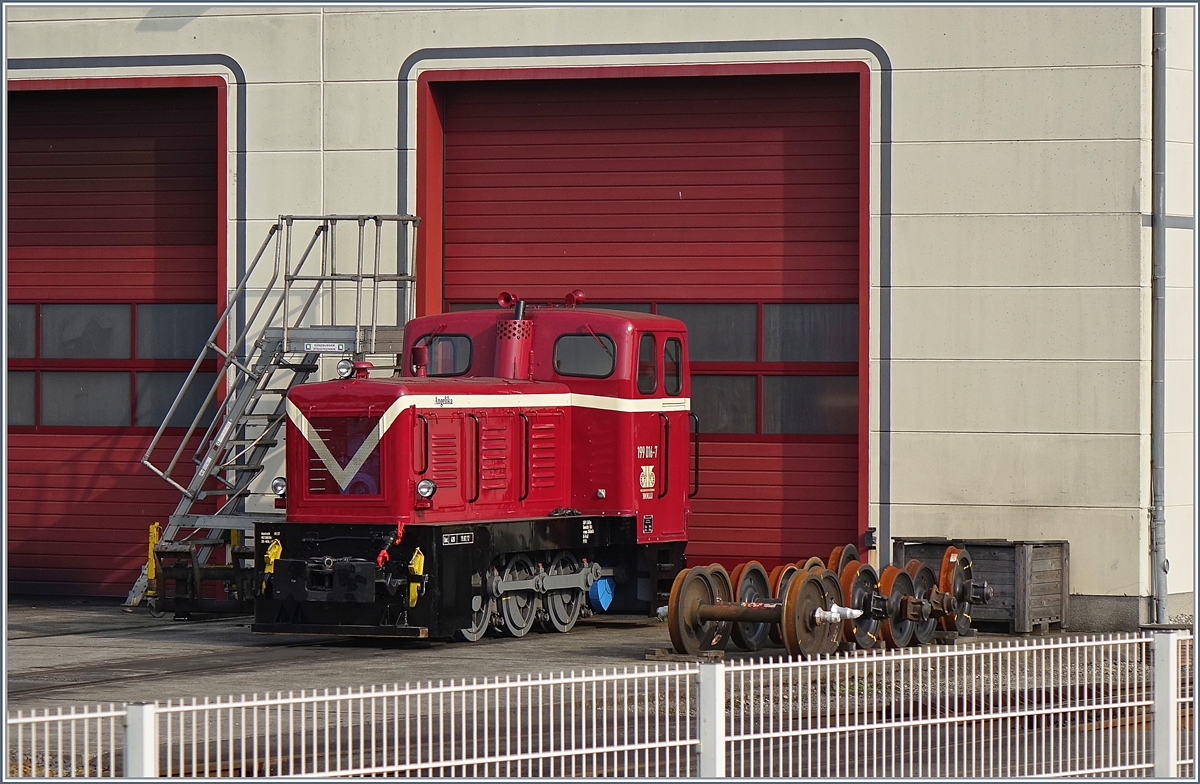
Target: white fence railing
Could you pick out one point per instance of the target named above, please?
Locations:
(995, 710)
(1117, 705)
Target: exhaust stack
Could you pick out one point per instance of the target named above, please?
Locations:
(514, 340)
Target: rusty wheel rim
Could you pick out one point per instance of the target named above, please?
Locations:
(833, 593)
(801, 634)
(690, 635)
(780, 576)
(895, 584)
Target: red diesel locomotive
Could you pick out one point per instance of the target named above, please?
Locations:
(522, 466)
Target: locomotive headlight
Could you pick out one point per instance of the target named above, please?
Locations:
(345, 368)
(279, 486)
(426, 488)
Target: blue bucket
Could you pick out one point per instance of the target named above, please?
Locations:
(600, 595)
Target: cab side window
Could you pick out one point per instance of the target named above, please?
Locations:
(673, 366)
(647, 368)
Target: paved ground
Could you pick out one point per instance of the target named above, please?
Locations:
(64, 652)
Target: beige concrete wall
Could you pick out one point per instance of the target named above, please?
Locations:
(1181, 324)
(1019, 258)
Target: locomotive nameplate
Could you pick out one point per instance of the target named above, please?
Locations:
(312, 347)
(463, 538)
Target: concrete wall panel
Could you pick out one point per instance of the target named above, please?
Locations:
(1181, 93)
(1012, 104)
(1019, 177)
(283, 117)
(269, 47)
(1017, 397)
(1181, 259)
(1016, 469)
(287, 183)
(360, 181)
(1018, 250)
(1180, 324)
(1181, 46)
(1180, 179)
(1050, 323)
(361, 116)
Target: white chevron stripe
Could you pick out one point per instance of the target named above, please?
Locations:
(343, 475)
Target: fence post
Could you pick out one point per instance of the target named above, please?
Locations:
(712, 720)
(1166, 705)
(141, 741)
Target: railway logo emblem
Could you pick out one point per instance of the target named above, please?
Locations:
(646, 480)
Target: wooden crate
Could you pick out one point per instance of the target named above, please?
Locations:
(1031, 579)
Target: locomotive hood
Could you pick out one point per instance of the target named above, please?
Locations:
(384, 400)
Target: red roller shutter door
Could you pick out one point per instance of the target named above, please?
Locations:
(112, 210)
(664, 191)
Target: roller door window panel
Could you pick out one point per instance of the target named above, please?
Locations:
(85, 399)
(174, 330)
(89, 331)
(22, 330)
(22, 410)
(106, 365)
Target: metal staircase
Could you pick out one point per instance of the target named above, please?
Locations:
(260, 352)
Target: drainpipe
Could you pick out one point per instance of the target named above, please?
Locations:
(1158, 312)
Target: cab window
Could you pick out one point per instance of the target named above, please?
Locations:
(673, 366)
(647, 369)
(449, 355)
(589, 355)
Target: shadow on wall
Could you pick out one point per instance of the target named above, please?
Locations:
(168, 19)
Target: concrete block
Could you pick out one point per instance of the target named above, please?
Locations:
(283, 117)
(1019, 469)
(1049, 323)
(361, 182)
(362, 116)
(1181, 42)
(1180, 324)
(1181, 258)
(1019, 177)
(1018, 250)
(1180, 179)
(1180, 468)
(1180, 396)
(1017, 396)
(1181, 545)
(283, 183)
(1017, 103)
(1108, 545)
(1181, 89)
(1106, 614)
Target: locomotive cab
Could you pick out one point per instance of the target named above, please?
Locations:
(517, 468)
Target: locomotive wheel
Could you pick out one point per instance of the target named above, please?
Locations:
(812, 563)
(480, 620)
(563, 606)
(736, 575)
(723, 589)
(780, 576)
(841, 556)
(691, 589)
(859, 583)
(750, 585)
(833, 593)
(953, 579)
(519, 608)
(801, 634)
(924, 581)
(896, 629)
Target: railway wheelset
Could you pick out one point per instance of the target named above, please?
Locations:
(817, 607)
